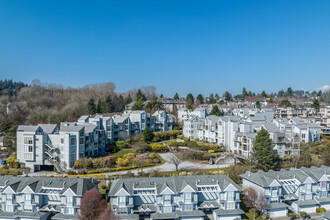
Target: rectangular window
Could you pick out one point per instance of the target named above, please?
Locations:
(167, 209)
(28, 208)
(28, 140)
(308, 186)
(122, 211)
(72, 141)
(188, 207)
(9, 208)
(62, 140)
(167, 197)
(230, 196)
(69, 199)
(9, 196)
(28, 197)
(122, 199)
(231, 205)
(187, 196)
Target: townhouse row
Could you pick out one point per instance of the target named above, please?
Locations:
(176, 197)
(48, 145)
(295, 190)
(27, 198)
(236, 133)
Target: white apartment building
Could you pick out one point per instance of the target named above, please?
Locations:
(32, 198)
(184, 114)
(237, 133)
(47, 145)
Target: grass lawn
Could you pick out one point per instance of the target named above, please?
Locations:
(123, 152)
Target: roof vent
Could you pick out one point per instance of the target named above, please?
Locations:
(212, 180)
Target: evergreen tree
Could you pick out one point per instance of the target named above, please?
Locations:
(244, 93)
(216, 111)
(138, 105)
(128, 99)
(315, 104)
(211, 99)
(200, 99)
(190, 101)
(227, 96)
(271, 100)
(281, 93)
(217, 97)
(263, 152)
(319, 93)
(108, 105)
(100, 108)
(250, 93)
(91, 106)
(161, 96)
(147, 134)
(148, 107)
(285, 103)
(140, 95)
(258, 105)
(176, 96)
(289, 92)
(264, 94)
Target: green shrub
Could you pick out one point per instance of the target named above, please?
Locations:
(302, 214)
(152, 155)
(103, 186)
(158, 147)
(16, 165)
(320, 210)
(292, 215)
(122, 144)
(71, 172)
(156, 139)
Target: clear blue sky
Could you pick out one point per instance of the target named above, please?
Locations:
(184, 46)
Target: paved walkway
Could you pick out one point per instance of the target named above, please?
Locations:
(167, 166)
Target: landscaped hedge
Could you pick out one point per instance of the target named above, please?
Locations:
(10, 172)
(158, 147)
(320, 210)
(167, 135)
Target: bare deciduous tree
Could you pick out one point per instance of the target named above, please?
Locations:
(254, 199)
(174, 160)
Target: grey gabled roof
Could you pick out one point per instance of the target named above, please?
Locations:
(27, 128)
(175, 183)
(48, 128)
(265, 178)
(18, 183)
(271, 127)
(70, 127)
(229, 212)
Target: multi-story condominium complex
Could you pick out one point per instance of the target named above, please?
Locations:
(191, 126)
(236, 133)
(299, 190)
(42, 198)
(184, 114)
(176, 197)
(47, 145)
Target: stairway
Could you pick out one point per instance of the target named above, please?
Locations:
(52, 157)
